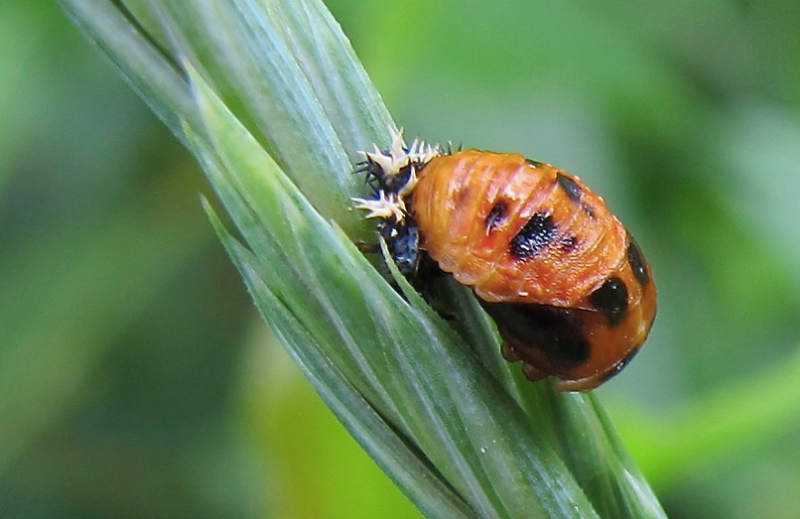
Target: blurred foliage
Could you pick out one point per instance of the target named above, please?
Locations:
(135, 382)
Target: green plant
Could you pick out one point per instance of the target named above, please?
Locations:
(271, 100)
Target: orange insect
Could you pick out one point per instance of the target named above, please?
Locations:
(569, 288)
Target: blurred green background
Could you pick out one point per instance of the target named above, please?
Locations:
(137, 381)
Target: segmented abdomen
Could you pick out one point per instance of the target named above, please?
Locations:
(517, 230)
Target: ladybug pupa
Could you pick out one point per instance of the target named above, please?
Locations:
(567, 285)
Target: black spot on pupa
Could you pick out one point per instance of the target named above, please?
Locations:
(621, 364)
(637, 263)
(568, 243)
(463, 194)
(570, 187)
(611, 299)
(534, 163)
(496, 216)
(554, 331)
(534, 236)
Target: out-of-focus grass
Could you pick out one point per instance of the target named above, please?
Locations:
(683, 115)
(116, 349)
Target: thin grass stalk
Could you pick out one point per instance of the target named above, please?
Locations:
(273, 102)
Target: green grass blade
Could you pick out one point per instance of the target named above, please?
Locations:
(388, 449)
(409, 367)
(148, 70)
(273, 103)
